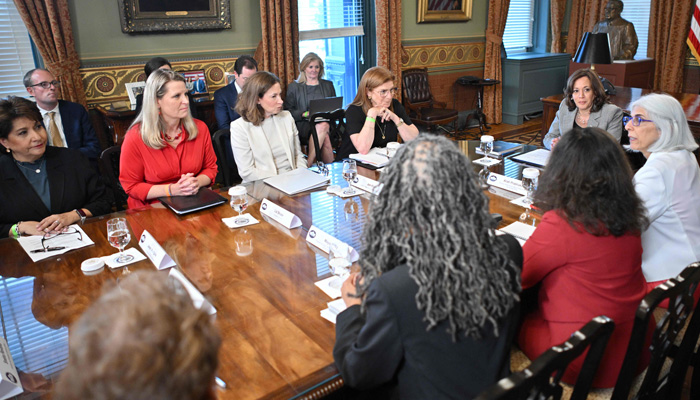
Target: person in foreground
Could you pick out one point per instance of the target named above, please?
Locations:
(42, 188)
(669, 185)
(264, 140)
(585, 105)
(375, 117)
(309, 86)
(585, 255)
(165, 151)
(142, 339)
(435, 304)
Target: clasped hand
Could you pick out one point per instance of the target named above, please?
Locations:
(382, 114)
(186, 186)
(349, 290)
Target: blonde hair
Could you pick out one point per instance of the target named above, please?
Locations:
(255, 88)
(372, 78)
(150, 121)
(308, 59)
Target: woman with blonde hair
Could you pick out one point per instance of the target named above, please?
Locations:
(309, 86)
(375, 117)
(165, 152)
(264, 140)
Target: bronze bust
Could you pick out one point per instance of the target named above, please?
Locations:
(623, 38)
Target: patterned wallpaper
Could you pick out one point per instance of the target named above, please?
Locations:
(106, 84)
(441, 55)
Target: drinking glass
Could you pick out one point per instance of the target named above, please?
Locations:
(239, 202)
(530, 178)
(339, 263)
(486, 146)
(119, 236)
(349, 173)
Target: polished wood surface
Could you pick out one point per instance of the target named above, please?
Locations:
(634, 73)
(118, 117)
(623, 98)
(259, 278)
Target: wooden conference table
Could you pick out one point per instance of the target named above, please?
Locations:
(259, 278)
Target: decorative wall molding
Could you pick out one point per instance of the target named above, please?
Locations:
(107, 84)
(441, 55)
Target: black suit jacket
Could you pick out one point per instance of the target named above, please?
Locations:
(224, 106)
(78, 129)
(72, 183)
(391, 341)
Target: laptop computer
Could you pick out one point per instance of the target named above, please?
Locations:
(325, 105)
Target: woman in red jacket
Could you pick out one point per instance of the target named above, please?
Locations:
(165, 152)
(586, 254)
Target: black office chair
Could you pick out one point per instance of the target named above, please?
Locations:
(541, 380)
(660, 382)
(109, 163)
(224, 157)
(336, 119)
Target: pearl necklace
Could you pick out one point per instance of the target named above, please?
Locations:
(581, 120)
(37, 170)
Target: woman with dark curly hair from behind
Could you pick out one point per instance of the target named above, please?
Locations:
(586, 253)
(143, 339)
(436, 302)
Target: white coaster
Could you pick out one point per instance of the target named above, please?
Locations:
(487, 161)
(231, 222)
(520, 201)
(324, 285)
(111, 260)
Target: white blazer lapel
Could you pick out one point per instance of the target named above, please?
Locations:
(262, 148)
(286, 133)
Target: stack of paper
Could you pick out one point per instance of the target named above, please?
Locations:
(538, 157)
(335, 307)
(297, 181)
(518, 230)
(376, 157)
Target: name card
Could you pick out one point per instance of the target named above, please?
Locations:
(10, 385)
(279, 214)
(366, 184)
(197, 297)
(323, 241)
(155, 252)
(504, 182)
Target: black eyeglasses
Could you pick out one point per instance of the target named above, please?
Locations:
(46, 85)
(636, 120)
(48, 236)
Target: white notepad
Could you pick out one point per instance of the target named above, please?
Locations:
(297, 181)
(518, 230)
(376, 157)
(537, 157)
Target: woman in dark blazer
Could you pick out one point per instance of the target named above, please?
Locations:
(42, 189)
(435, 304)
(309, 86)
(585, 105)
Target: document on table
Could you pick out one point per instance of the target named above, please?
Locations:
(376, 157)
(518, 230)
(63, 242)
(335, 307)
(538, 157)
(297, 181)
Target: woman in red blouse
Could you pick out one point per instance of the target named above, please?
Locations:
(585, 257)
(165, 152)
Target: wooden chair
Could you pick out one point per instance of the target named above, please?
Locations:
(541, 380)
(420, 103)
(224, 157)
(669, 362)
(109, 163)
(336, 119)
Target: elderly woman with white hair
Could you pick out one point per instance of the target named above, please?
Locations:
(668, 184)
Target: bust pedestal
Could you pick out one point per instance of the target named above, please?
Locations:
(628, 73)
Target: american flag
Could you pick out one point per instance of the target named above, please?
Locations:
(694, 34)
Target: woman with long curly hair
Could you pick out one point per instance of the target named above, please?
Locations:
(436, 301)
(586, 253)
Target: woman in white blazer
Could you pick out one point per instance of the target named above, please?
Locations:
(585, 105)
(668, 184)
(265, 141)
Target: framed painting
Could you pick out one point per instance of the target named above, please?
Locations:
(141, 16)
(444, 10)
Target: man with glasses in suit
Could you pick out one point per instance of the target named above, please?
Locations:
(67, 123)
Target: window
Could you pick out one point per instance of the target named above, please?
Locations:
(335, 30)
(16, 56)
(637, 12)
(517, 37)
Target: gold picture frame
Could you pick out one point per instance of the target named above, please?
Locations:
(444, 10)
(146, 16)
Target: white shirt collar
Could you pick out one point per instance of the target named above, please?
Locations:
(238, 88)
(44, 112)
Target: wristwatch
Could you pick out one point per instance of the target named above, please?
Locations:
(82, 215)
(400, 122)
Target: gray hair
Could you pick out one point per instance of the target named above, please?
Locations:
(670, 120)
(432, 216)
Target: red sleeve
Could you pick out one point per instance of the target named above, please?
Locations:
(209, 167)
(545, 250)
(131, 166)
